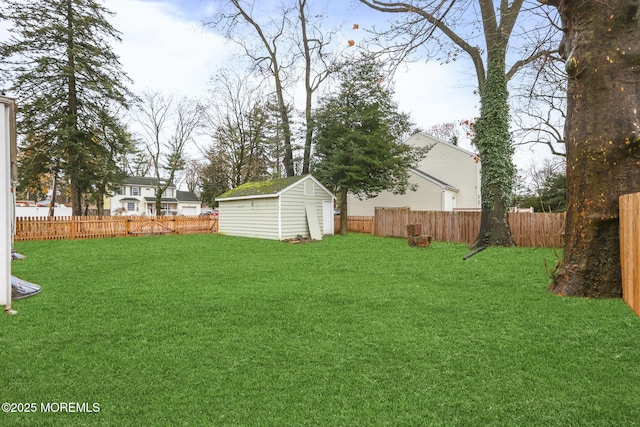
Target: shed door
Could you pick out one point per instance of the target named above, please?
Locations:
(327, 217)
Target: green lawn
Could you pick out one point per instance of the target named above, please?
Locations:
(214, 330)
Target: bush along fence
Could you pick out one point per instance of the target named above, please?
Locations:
(529, 229)
(87, 227)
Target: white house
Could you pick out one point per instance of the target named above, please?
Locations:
(136, 196)
(280, 209)
(447, 178)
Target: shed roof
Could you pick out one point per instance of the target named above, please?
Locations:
(261, 188)
(264, 189)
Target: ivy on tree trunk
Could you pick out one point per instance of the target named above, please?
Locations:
(496, 153)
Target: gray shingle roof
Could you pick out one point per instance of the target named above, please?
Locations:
(186, 196)
(146, 181)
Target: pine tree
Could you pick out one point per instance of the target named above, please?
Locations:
(69, 84)
(358, 140)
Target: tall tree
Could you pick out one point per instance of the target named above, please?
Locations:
(547, 189)
(319, 64)
(192, 175)
(58, 61)
(540, 105)
(135, 161)
(111, 142)
(601, 46)
(239, 126)
(269, 58)
(35, 174)
(358, 138)
(214, 176)
(166, 148)
(455, 25)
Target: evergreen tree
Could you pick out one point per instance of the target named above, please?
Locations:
(60, 66)
(214, 176)
(359, 129)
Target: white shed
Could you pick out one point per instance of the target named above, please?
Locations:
(280, 209)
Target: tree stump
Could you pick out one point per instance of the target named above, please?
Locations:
(414, 230)
(419, 241)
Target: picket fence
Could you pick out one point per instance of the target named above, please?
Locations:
(89, 227)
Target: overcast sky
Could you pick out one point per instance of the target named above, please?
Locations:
(165, 47)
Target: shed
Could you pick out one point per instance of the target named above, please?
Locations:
(279, 209)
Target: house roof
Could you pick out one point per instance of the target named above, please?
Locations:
(434, 180)
(164, 199)
(146, 181)
(186, 196)
(265, 189)
(441, 141)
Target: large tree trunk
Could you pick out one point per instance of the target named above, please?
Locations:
(76, 194)
(74, 142)
(52, 203)
(344, 212)
(494, 223)
(602, 49)
(493, 140)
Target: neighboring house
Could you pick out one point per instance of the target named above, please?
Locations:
(137, 196)
(188, 203)
(280, 209)
(447, 179)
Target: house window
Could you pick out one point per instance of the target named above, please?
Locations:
(135, 191)
(131, 206)
(168, 192)
(120, 191)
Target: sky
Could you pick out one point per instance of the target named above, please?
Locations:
(171, 51)
(166, 48)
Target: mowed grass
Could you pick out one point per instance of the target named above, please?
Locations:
(215, 330)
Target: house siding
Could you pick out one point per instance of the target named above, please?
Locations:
(454, 166)
(294, 217)
(427, 198)
(182, 203)
(447, 163)
(249, 218)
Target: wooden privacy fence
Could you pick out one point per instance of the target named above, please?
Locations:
(529, 229)
(630, 249)
(88, 227)
(357, 224)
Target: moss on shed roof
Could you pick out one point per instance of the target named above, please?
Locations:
(261, 188)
